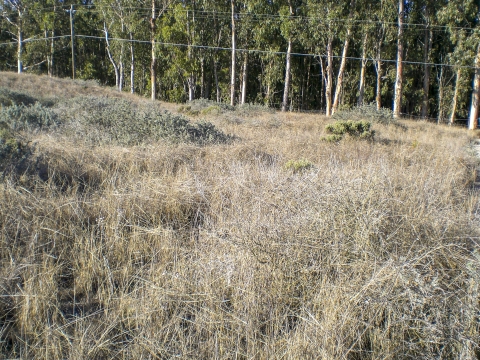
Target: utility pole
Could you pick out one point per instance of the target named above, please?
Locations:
(72, 40)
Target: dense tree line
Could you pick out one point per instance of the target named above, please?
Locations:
(418, 57)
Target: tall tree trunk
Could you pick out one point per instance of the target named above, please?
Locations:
(202, 77)
(397, 104)
(217, 84)
(329, 87)
(455, 96)
(341, 71)
(121, 80)
(361, 92)
(343, 63)
(20, 49)
(112, 60)
(441, 111)
(52, 54)
(426, 71)
(324, 83)
(305, 103)
(191, 88)
(244, 78)
(191, 81)
(49, 66)
(474, 108)
(233, 75)
(132, 65)
(153, 64)
(287, 76)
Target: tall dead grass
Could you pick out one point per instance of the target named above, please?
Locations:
(219, 252)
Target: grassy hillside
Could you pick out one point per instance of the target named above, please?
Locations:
(131, 232)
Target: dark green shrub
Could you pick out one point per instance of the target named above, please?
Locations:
(28, 117)
(298, 165)
(332, 138)
(13, 152)
(356, 129)
(9, 97)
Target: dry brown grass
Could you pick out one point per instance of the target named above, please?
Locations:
(219, 252)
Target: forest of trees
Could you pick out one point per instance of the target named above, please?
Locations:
(417, 57)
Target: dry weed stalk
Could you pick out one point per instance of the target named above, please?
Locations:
(220, 252)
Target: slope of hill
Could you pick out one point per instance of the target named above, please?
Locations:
(131, 232)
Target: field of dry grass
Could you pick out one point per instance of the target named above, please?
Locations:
(175, 250)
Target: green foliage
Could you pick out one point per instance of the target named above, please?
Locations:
(12, 151)
(355, 129)
(366, 112)
(332, 138)
(107, 120)
(212, 109)
(9, 97)
(205, 107)
(298, 165)
(28, 117)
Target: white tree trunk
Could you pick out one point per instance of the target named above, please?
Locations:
(287, 76)
(20, 50)
(341, 72)
(397, 103)
(244, 78)
(233, 75)
(153, 64)
(132, 65)
(455, 96)
(474, 108)
(361, 90)
(329, 87)
(426, 79)
(112, 60)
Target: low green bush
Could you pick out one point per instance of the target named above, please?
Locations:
(109, 120)
(355, 129)
(12, 151)
(9, 97)
(298, 165)
(366, 112)
(28, 117)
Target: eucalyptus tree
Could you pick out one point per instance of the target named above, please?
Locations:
(288, 31)
(397, 102)
(158, 9)
(461, 17)
(267, 37)
(341, 70)
(16, 14)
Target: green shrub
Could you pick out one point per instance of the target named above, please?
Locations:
(298, 165)
(366, 112)
(12, 151)
(28, 117)
(356, 129)
(212, 109)
(332, 138)
(9, 97)
(107, 120)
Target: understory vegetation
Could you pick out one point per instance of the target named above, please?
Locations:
(131, 232)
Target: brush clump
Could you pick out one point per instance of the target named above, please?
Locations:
(355, 129)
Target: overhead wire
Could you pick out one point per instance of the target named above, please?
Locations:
(241, 50)
(227, 14)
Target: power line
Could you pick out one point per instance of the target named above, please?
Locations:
(273, 52)
(227, 15)
(222, 48)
